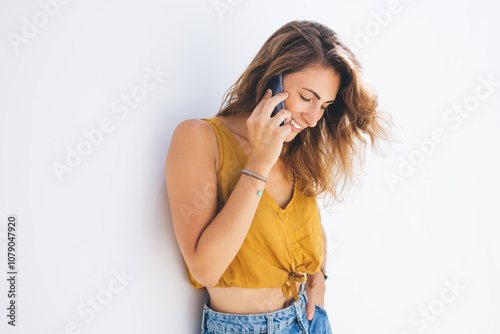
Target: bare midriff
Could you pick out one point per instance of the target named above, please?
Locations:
(249, 301)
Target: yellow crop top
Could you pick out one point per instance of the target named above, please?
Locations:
(279, 243)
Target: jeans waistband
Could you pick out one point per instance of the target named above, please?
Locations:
(241, 323)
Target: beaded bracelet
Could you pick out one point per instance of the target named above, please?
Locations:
(256, 176)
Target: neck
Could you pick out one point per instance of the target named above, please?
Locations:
(241, 123)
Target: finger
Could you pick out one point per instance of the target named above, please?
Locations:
(272, 102)
(282, 115)
(310, 310)
(266, 96)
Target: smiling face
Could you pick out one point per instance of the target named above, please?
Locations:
(311, 91)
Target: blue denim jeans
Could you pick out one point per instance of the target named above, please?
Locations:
(291, 319)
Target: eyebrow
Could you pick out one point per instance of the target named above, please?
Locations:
(316, 94)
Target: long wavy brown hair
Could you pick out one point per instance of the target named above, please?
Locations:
(323, 157)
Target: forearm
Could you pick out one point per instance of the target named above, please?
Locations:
(221, 240)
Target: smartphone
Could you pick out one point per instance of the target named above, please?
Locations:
(276, 85)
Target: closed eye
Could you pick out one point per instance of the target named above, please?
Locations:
(308, 100)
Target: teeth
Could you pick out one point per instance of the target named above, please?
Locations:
(298, 127)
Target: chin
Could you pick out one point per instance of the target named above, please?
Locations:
(291, 136)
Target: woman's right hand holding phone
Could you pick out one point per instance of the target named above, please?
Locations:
(265, 134)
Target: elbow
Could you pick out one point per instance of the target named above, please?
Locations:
(211, 282)
(207, 278)
(204, 274)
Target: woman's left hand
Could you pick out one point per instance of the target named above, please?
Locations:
(315, 289)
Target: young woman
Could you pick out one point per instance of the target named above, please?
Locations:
(242, 189)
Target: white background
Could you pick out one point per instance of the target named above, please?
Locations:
(391, 248)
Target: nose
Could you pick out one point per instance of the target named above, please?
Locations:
(312, 116)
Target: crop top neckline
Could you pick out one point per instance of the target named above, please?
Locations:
(243, 154)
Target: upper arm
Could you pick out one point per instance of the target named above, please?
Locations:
(191, 180)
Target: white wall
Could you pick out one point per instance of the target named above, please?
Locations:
(392, 249)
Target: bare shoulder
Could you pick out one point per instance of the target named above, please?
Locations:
(198, 135)
(188, 126)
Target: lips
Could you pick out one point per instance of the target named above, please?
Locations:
(296, 123)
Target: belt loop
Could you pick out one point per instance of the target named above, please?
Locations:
(203, 318)
(269, 324)
(304, 291)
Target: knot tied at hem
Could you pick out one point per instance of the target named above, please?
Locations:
(292, 278)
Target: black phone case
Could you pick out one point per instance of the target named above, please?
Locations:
(276, 85)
